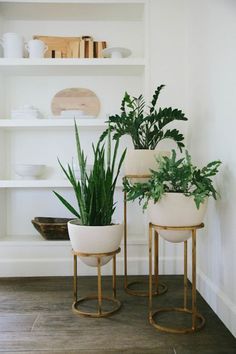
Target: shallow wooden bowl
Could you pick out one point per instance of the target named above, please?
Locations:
(52, 228)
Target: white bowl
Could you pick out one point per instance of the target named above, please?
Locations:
(116, 52)
(29, 170)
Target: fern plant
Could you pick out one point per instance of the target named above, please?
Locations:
(94, 192)
(175, 176)
(146, 129)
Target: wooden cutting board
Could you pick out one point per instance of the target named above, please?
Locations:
(76, 99)
(67, 46)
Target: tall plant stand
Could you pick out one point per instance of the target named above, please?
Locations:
(100, 312)
(158, 288)
(198, 320)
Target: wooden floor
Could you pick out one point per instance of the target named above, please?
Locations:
(36, 317)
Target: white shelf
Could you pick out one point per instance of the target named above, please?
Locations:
(24, 81)
(31, 240)
(70, 66)
(51, 123)
(96, 10)
(37, 183)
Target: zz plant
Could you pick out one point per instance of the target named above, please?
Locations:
(95, 191)
(146, 129)
(176, 176)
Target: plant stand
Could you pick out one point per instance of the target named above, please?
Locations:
(159, 288)
(198, 320)
(116, 303)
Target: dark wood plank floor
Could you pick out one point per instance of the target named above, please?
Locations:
(36, 317)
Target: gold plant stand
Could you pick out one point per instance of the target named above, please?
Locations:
(159, 288)
(116, 303)
(198, 320)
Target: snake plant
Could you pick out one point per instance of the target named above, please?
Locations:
(94, 192)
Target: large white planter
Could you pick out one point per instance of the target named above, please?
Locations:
(175, 209)
(139, 162)
(95, 239)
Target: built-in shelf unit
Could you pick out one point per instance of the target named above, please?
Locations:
(122, 23)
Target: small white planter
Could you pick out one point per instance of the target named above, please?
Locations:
(175, 209)
(139, 162)
(95, 239)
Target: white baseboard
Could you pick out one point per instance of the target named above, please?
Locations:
(64, 267)
(218, 301)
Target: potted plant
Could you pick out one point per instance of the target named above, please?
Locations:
(176, 194)
(146, 129)
(93, 230)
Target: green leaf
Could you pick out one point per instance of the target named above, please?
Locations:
(175, 175)
(94, 192)
(145, 130)
(67, 205)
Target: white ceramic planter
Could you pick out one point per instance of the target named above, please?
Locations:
(139, 162)
(95, 239)
(175, 209)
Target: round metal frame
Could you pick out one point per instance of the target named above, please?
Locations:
(100, 312)
(159, 287)
(116, 303)
(193, 311)
(177, 330)
(162, 288)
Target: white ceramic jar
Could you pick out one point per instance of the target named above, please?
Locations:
(13, 45)
(36, 48)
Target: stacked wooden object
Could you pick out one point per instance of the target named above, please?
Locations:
(72, 47)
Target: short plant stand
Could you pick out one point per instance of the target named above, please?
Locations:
(198, 320)
(158, 288)
(77, 302)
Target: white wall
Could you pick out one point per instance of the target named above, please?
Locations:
(168, 46)
(192, 51)
(212, 107)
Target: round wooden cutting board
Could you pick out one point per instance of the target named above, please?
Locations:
(76, 99)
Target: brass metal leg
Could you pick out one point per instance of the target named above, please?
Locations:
(194, 302)
(160, 288)
(198, 320)
(150, 271)
(125, 240)
(116, 304)
(185, 273)
(114, 276)
(99, 287)
(156, 261)
(75, 278)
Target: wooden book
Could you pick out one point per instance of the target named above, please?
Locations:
(98, 47)
(87, 46)
(86, 49)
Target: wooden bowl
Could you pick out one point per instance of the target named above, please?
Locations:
(52, 228)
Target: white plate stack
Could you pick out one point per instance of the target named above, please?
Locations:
(72, 113)
(26, 112)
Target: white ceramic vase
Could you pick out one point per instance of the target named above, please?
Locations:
(175, 209)
(13, 45)
(95, 239)
(139, 162)
(36, 48)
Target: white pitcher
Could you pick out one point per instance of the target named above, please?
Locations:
(36, 48)
(13, 45)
